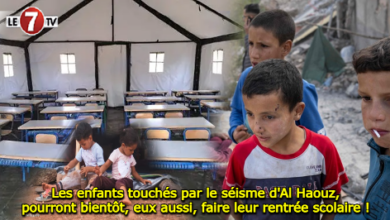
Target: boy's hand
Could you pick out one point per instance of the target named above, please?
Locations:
(241, 134)
(97, 171)
(146, 181)
(66, 169)
(85, 170)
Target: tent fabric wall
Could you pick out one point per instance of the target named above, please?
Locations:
(209, 80)
(46, 66)
(112, 72)
(178, 67)
(18, 82)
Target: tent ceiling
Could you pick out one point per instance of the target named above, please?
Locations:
(12, 5)
(132, 22)
(224, 7)
(203, 23)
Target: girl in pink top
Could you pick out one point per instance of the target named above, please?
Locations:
(123, 166)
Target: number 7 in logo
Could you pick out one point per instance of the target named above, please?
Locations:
(34, 16)
(32, 21)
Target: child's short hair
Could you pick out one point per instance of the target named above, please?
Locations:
(279, 22)
(83, 131)
(275, 75)
(129, 136)
(252, 8)
(375, 58)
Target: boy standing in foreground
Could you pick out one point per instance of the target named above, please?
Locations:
(372, 65)
(271, 34)
(280, 153)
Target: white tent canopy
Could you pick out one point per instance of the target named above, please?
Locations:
(112, 42)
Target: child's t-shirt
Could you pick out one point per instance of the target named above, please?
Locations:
(91, 157)
(121, 165)
(315, 166)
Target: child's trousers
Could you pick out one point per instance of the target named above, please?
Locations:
(103, 182)
(72, 179)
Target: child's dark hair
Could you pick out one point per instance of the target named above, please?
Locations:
(129, 137)
(375, 58)
(275, 75)
(279, 22)
(252, 8)
(83, 131)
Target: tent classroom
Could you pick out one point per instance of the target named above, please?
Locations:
(121, 46)
(109, 44)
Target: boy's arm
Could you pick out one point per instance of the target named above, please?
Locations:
(103, 168)
(328, 216)
(234, 177)
(335, 173)
(71, 164)
(311, 118)
(236, 106)
(230, 202)
(138, 177)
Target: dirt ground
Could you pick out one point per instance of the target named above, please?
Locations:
(32, 195)
(16, 192)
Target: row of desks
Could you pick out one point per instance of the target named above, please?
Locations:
(104, 92)
(54, 110)
(160, 154)
(173, 98)
(156, 150)
(99, 110)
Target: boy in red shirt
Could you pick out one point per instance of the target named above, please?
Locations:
(280, 153)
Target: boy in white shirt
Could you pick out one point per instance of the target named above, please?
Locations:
(90, 152)
(123, 166)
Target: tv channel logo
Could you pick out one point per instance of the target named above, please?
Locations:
(32, 21)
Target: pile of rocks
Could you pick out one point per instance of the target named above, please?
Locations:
(347, 82)
(298, 55)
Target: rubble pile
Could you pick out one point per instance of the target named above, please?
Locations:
(297, 55)
(345, 82)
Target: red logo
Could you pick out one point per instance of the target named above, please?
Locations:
(32, 21)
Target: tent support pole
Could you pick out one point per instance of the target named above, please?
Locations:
(96, 66)
(198, 57)
(227, 37)
(128, 66)
(28, 68)
(112, 22)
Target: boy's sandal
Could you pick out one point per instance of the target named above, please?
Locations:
(44, 197)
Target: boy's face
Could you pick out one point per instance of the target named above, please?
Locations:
(375, 92)
(86, 143)
(270, 119)
(128, 150)
(263, 45)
